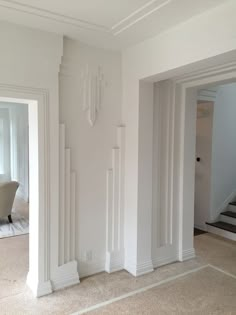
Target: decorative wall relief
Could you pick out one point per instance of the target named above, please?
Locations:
(115, 207)
(93, 85)
(67, 219)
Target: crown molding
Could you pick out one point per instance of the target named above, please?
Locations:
(46, 14)
(138, 15)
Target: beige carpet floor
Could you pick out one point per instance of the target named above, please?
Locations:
(207, 291)
(16, 298)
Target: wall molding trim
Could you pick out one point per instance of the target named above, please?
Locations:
(53, 16)
(140, 268)
(114, 261)
(115, 207)
(39, 289)
(67, 275)
(67, 270)
(161, 261)
(124, 24)
(88, 268)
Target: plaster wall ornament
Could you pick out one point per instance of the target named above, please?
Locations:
(93, 85)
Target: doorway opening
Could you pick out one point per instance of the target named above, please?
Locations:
(172, 128)
(215, 169)
(186, 102)
(14, 192)
(39, 256)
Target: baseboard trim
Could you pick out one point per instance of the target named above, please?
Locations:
(66, 276)
(188, 254)
(90, 268)
(39, 288)
(140, 268)
(114, 261)
(161, 261)
(220, 232)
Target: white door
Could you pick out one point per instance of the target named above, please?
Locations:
(203, 164)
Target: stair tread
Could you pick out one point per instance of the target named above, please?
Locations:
(229, 214)
(233, 203)
(224, 226)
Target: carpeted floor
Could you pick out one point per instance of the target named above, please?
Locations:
(205, 291)
(203, 287)
(20, 218)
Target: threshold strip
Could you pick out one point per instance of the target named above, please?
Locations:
(154, 285)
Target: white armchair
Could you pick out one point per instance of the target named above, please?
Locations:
(7, 196)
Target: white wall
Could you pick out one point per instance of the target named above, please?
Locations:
(29, 61)
(90, 145)
(223, 180)
(202, 39)
(30, 58)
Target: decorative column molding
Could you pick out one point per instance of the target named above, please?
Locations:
(67, 273)
(93, 85)
(115, 207)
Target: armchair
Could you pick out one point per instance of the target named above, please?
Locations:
(7, 196)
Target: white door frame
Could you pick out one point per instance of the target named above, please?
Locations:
(39, 248)
(185, 138)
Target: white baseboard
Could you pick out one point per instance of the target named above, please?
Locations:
(66, 276)
(220, 232)
(88, 268)
(161, 261)
(188, 254)
(140, 268)
(39, 288)
(114, 261)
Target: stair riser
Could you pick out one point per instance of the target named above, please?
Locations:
(228, 219)
(220, 232)
(231, 208)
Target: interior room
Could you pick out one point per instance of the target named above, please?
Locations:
(14, 187)
(215, 160)
(99, 103)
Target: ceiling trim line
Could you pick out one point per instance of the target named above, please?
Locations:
(42, 13)
(138, 15)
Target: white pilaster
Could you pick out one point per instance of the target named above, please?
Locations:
(115, 208)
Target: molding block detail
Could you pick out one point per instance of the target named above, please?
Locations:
(67, 275)
(93, 85)
(67, 229)
(115, 207)
(140, 269)
(188, 254)
(41, 289)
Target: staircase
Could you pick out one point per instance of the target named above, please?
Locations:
(226, 226)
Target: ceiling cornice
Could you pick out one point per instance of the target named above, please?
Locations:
(123, 25)
(138, 15)
(46, 14)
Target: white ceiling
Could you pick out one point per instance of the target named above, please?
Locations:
(107, 23)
